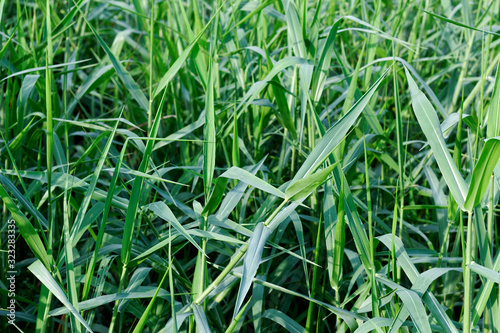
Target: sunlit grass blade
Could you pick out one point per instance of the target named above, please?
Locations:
(39, 270)
(335, 134)
(429, 123)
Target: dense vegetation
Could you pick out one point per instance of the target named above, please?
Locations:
(255, 166)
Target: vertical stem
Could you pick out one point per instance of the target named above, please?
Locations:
(151, 43)
(467, 277)
(375, 310)
(310, 310)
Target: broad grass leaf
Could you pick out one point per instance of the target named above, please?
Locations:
(172, 71)
(16, 143)
(145, 315)
(339, 239)
(420, 286)
(429, 122)
(493, 124)
(285, 321)
(330, 221)
(140, 293)
(77, 226)
(295, 36)
(413, 274)
(234, 196)
(42, 274)
(458, 24)
(481, 174)
(482, 297)
(349, 317)
(416, 309)
(209, 139)
(59, 180)
(26, 229)
(250, 179)
(215, 196)
(136, 194)
(323, 66)
(37, 69)
(97, 76)
(485, 272)
(374, 324)
(180, 316)
(335, 134)
(162, 210)
(251, 262)
(140, 274)
(25, 202)
(301, 188)
(201, 319)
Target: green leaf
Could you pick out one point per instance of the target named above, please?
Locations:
(238, 317)
(201, 319)
(282, 319)
(42, 274)
(142, 292)
(429, 122)
(251, 262)
(481, 175)
(301, 188)
(162, 210)
(125, 76)
(90, 190)
(339, 240)
(215, 196)
(27, 230)
(145, 315)
(172, 71)
(335, 134)
(485, 272)
(321, 71)
(25, 202)
(250, 179)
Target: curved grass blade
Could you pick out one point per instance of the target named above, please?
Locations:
(482, 172)
(26, 229)
(284, 320)
(142, 292)
(250, 179)
(123, 74)
(25, 202)
(201, 319)
(77, 226)
(301, 188)
(172, 71)
(485, 272)
(39, 270)
(335, 134)
(429, 122)
(251, 262)
(162, 210)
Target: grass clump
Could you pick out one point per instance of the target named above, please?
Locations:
(227, 166)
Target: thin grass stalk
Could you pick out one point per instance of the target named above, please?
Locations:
(375, 301)
(311, 308)
(468, 287)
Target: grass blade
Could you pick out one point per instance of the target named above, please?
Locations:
(42, 274)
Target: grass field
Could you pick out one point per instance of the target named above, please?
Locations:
(252, 166)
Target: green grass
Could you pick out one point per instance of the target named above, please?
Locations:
(302, 166)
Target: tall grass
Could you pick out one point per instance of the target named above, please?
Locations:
(302, 166)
